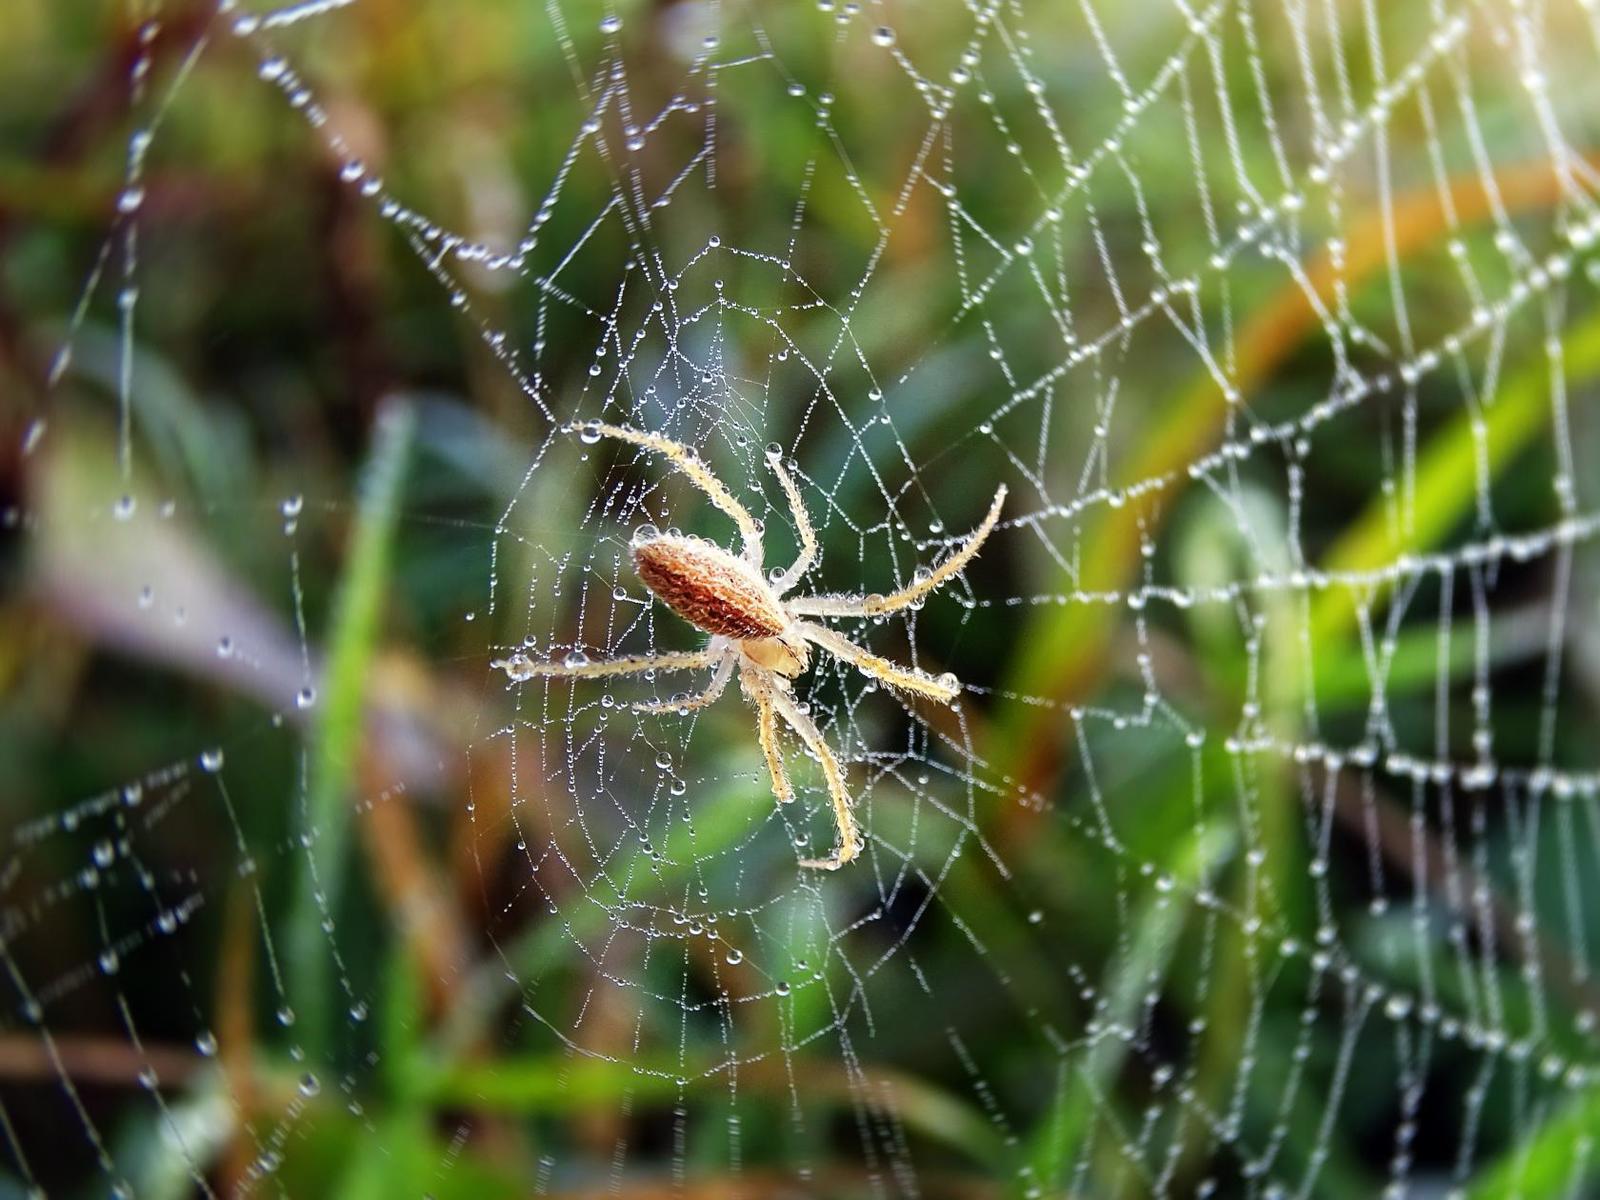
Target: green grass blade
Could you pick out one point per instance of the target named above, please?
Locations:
(1557, 1161)
(1447, 476)
(1091, 1076)
(337, 732)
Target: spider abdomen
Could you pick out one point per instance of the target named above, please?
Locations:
(709, 587)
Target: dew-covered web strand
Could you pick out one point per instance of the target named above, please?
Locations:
(623, 858)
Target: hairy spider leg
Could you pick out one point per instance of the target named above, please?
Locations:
(520, 667)
(943, 688)
(849, 836)
(688, 464)
(876, 606)
(802, 523)
(713, 690)
(754, 682)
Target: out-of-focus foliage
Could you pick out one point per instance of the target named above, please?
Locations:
(338, 440)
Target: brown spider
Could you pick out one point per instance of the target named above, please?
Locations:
(753, 628)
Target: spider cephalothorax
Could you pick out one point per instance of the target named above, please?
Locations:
(754, 629)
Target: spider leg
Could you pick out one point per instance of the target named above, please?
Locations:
(708, 697)
(876, 606)
(943, 688)
(849, 836)
(520, 667)
(802, 523)
(688, 463)
(760, 694)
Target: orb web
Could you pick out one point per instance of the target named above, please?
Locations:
(1255, 857)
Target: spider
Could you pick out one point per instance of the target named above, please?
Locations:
(753, 628)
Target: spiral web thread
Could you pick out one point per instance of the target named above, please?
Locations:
(1097, 199)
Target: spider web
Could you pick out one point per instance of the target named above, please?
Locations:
(1258, 856)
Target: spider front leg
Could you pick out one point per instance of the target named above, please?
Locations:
(802, 523)
(688, 463)
(877, 606)
(519, 667)
(849, 835)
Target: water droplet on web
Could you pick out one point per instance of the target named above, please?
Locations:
(734, 957)
(575, 659)
(610, 24)
(206, 1043)
(211, 760)
(130, 200)
(225, 647)
(310, 1085)
(589, 432)
(124, 508)
(645, 533)
(285, 1016)
(782, 987)
(104, 854)
(883, 36)
(305, 697)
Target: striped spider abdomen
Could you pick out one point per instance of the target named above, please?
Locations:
(709, 587)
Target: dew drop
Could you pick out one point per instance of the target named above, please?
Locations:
(211, 760)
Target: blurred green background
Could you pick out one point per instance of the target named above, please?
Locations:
(1261, 855)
